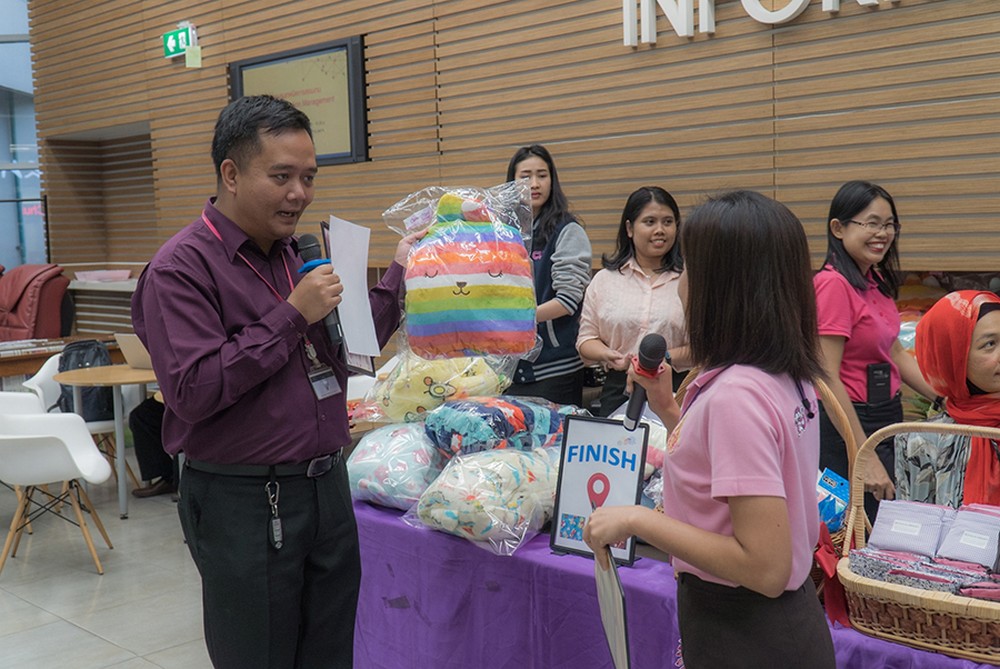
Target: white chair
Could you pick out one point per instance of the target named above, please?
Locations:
(36, 449)
(48, 391)
(19, 403)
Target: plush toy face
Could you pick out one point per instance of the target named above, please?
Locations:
(416, 386)
(469, 287)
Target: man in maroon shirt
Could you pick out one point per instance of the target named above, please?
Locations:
(253, 394)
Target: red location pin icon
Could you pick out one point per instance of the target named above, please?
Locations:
(598, 488)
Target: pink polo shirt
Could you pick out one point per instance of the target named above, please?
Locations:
(870, 322)
(744, 432)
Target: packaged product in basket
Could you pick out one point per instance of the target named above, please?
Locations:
(833, 496)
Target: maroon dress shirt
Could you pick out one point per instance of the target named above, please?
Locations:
(229, 355)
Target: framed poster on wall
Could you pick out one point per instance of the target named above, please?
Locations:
(601, 464)
(327, 82)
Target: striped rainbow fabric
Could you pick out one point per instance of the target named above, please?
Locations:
(469, 287)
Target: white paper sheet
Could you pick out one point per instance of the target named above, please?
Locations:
(611, 598)
(348, 244)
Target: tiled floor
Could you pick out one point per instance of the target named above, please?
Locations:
(144, 612)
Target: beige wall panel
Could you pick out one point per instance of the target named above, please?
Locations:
(905, 94)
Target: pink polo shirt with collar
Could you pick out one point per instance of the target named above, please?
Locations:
(869, 322)
(744, 432)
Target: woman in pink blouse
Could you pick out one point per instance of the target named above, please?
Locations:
(636, 293)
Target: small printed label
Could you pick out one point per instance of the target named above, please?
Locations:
(906, 527)
(419, 220)
(974, 539)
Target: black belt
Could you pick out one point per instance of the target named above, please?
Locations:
(310, 468)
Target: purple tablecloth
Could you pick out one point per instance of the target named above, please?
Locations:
(433, 601)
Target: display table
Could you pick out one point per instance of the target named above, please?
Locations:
(432, 600)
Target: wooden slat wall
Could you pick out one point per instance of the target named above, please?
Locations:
(905, 94)
(102, 312)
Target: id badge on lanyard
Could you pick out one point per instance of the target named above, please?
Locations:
(321, 377)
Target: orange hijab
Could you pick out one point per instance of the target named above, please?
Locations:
(944, 335)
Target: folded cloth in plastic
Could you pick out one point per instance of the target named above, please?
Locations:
(876, 564)
(393, 465)
(484, 423)
(983, 508)
(415, 386)
(909, 526)
(981, 593)
(972, 537)
(497, 497)
(469, 285)
(917, 578)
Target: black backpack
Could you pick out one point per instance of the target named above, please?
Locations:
(98, 403)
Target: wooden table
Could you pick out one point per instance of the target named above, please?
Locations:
(115, 376)
(28, 360)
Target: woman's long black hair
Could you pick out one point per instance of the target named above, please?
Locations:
(625, 247)
(556, 209)
(853, 198)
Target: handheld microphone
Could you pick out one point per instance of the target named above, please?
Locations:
(652, 349)
(310, 252)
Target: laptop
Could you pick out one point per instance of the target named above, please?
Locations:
(135, 353)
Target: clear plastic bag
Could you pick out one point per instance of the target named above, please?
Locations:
(504, 422)
(510, 203)
(415, 386)
(393, 465)
(496, 499)
(469, 284)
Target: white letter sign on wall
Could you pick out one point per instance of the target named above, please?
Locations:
(761, 15)
(680, 14)
(629, 22)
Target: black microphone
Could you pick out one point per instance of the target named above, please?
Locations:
(652, 350)
(310, 251)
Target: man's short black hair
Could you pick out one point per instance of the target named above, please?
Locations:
(237, 132)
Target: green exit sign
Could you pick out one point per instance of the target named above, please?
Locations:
(176, 42)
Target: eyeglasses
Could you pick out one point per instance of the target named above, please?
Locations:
(889, 227)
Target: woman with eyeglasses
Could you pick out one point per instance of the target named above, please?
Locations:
(859, 328)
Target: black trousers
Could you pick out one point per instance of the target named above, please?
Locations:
(735, 628)
(565, 389)
(266, 607)
(146, 423)
(873, 417)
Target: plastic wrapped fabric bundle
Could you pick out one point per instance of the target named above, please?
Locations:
(415, 385)
(469, 286)
(485, 423)
(393, 465)
(497, 499)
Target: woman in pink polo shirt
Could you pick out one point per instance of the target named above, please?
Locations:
(859, 330)
(740, 518)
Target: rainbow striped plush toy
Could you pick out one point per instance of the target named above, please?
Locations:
(469, 288)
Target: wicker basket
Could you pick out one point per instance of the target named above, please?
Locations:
(838, 417)
(959, 626)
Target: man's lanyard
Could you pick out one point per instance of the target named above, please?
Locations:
(291, 284)
(310, 349)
